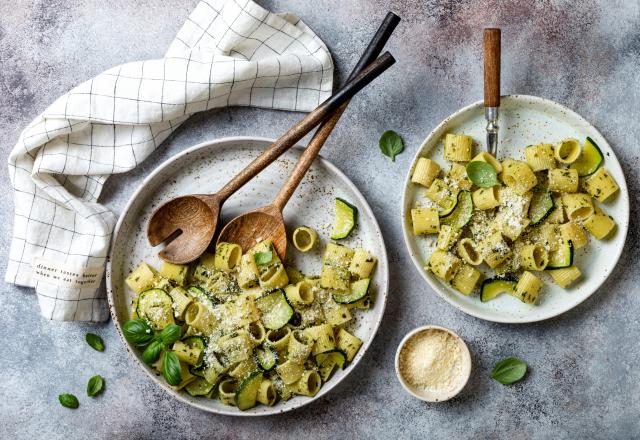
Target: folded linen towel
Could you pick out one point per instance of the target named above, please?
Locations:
(229, 52)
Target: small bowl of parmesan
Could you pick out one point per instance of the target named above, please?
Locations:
(433, 363)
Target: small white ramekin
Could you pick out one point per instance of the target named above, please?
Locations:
(428, 396)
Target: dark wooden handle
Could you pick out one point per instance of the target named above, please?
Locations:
(492, 67)
(317, 142)
(304, 126)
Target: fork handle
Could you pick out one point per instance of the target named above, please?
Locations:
(492, 67)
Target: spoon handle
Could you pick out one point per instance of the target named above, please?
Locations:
(374, 48)
(304, 126)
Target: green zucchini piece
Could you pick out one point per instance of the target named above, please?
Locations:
(461, 215)
(247, 393)
(201, 296)
(561, 258)
(346, 218)
(196, 341)
(156, 306)
(199, 387)
(358, 290)
(541, 206)
(266, 358)
(447, 207)
(493, 287)
(276, 311)
(589, 160)
(336, 356)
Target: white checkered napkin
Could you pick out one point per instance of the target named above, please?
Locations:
(229, 52)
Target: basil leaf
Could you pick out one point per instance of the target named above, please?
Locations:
(509, 370)
(95, 341)
(138, 332)
(95, 385)
(482, 174)
(391, 144)
(171, 369)
(68, 401)
(152, 352)
(262, 258)
(170, 334)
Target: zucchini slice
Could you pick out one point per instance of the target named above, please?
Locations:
(156, 306)
(200, 295)
(590, 160)
(561, 258)
(541, 207)
(346, 218)
(336, 356)
(266, 358)
(493, 287)
(358, 290)
(448, 206)
(461, 214)
(276, 311)
(199, 387)
(247, 393)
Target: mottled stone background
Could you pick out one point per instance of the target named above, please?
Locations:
(584, 380)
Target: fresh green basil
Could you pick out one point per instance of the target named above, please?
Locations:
(391, 144)
(171, 369)
(170, 334)
(482, 174)
(152, 352)
(68, 401)
(138, 332)
(95, 386)
(509, 370)
(95, 341)
(262, 258)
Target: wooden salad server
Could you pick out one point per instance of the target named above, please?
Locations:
(492, 86)
(189, 222)
(267, 222)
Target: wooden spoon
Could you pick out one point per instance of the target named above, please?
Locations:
(190, 222)
(267, 222)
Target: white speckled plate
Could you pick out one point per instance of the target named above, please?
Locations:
(524, 120)
(206, 167)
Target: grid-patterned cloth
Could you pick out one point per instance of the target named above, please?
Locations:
(229, 52)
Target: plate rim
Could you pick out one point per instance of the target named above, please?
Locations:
(435, 285)
(382, 295)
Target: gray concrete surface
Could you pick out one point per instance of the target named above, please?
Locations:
(584, 380)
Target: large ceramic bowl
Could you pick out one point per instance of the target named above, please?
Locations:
(205, 168)
(524, 120)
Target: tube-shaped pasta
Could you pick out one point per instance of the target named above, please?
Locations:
(533, 257)
(309, 383)
(181, 301)
(243, 369)
(547, 235)
(557, 214)
(227, 256)
(425, 220)
(564, 277)
(279, 339)
(362, 264)
(443, 264)
(299, 347)
(495, 250)
(563, 180)
(290, 371)
(227, 391)
(300, 293)
(466, 279)
(458, 177)
(573, 232)
(447, 237)
(274, 277)
(488, 158)
(200, 317)
(247, 272)
(458, 147)
(237, 346)
(336, 314)
(540, 157)
(528, 287)
(425, 172)
(348, 343)
(518, 175)
(567, 151)
(440, 193)
(578, 206)
(485, 198)
(257, 332)
(601, 185)
(266, 393)
(323, 337)
(187, 354)
(468, 251)
(304, 238)
(174, 272)
(599, 224)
